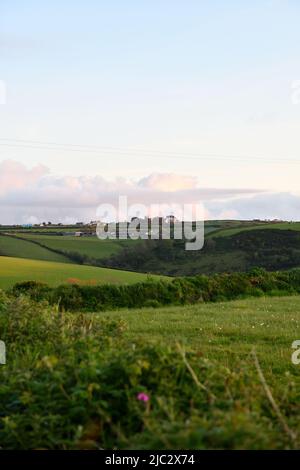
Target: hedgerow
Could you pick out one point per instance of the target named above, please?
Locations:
(179, 291)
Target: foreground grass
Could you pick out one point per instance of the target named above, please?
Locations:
(72, 380)
(224, 331)
(13, 270)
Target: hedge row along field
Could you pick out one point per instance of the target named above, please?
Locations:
(153, 293)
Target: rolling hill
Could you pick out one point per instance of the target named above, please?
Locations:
(275, 249)
(87, 246)
(230, 245)
(18, 248)
(226, 232)
(13, 270)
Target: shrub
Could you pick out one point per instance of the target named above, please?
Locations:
(152, 303)
(36, 290)
(179, 291)
(3, 300)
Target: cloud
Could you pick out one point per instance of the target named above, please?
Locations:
(169, 182)
(285, 206)
(35, 195)
(15, 176)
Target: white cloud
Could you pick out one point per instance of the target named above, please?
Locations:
(35, 195)
(169, 182)
(14, 175)
(285, 206)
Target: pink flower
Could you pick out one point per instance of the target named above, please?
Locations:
(143, 397)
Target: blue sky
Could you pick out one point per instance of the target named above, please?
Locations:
(155, 87)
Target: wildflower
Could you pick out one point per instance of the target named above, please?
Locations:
(143, 397)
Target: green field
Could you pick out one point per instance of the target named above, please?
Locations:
(270, 226)
(14, 270)
(89, 246)
(225, 331)
(23, 249)
(230, 245)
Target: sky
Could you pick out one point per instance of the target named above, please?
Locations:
(160, 100)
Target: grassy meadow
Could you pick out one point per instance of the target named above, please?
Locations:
(227, 232)
(89, 246)
(13, 270)
(224, 331)
(17, 248)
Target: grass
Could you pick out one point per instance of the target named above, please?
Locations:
(89, 246)
(270, 226)
(72, 380)
(224, 331)
(13, 270)
(24, 249)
